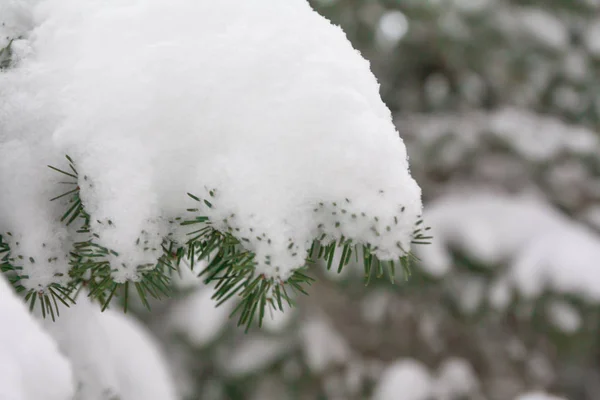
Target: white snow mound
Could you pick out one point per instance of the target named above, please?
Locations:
(260, 107)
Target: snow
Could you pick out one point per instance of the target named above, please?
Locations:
(490, 226)
(139, 365)
(568, 98)
(16, 19)
(405, 380)
(469, 292)
(29, 355)
(266, 118)
(111, 354)
(592, 216)
(186, 278)
(541, 138)
(456, 378)
(28, 215)
(500, 294)
(592, 38)
(392, 27)
(544, 27)
(277, 321)
(471, 6)
(323, 346)
(375, 306)
(576, 66)
(198, 319)
(562, 261)
(254, 354)
(542, 248)
(534, 137)
(564, 316)
(538, 396)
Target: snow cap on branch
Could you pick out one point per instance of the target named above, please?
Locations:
(262, 109)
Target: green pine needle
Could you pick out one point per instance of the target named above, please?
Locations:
(228, 265)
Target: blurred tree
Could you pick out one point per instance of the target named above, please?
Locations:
(492, 97)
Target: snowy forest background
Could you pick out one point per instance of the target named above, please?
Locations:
(497, 102)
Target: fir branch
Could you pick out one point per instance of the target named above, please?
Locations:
(47, 298)
(229, 266)
(6, 55)
(89, 263)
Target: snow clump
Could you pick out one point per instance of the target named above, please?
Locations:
(262, 109)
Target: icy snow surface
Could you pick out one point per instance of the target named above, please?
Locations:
(29, 355)
(279, 118)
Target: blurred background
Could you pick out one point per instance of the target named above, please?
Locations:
(498, 103)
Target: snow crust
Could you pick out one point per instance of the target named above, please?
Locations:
(28, 354)
(276, 122)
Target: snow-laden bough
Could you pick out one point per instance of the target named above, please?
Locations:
(261, 111)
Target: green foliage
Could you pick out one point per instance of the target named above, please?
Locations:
(6, 55)
(228, 265)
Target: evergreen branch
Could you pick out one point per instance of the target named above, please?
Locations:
(89, 264)
(229, 266)
(46, 298)
(6, 55)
